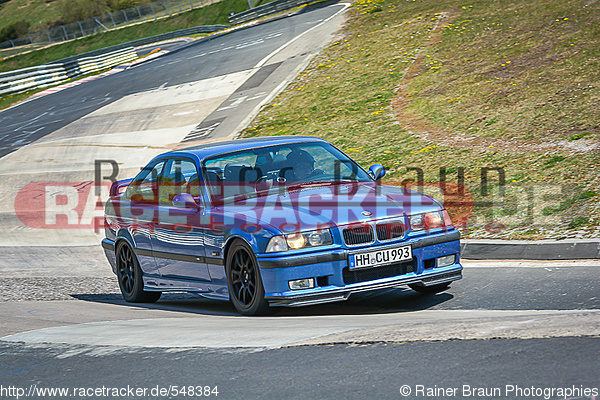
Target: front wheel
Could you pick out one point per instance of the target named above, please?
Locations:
(244, 282)
(429, 289)
(129, 274)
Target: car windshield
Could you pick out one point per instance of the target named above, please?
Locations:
(258, 171)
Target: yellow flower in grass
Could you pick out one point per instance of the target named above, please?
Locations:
(357, 149)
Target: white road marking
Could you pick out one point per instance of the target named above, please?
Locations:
(273, 35)
(27, 124)
(257, 96)
(234, 104)
(32, 132)
(249, 44)
(199, 133)
(283, 46)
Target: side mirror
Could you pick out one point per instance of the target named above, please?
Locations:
(377, 171)
(185, 200)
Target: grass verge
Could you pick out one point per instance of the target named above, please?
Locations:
(498, 98)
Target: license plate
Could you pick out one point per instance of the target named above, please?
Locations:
(380, 257)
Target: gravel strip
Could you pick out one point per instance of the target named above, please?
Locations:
(61, 288)
(67, 288)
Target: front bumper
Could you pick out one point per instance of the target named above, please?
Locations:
(330, 271)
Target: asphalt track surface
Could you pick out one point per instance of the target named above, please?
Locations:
(238, 51)
(519, 325)
(376, 371)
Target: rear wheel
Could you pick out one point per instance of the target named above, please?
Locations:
(429, 289)
(244, 282)
(129, 274)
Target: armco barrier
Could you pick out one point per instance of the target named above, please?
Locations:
(54, 74)
(30, 78)
(140, 42)
(60, 71)
(88, 65)
(267, 9)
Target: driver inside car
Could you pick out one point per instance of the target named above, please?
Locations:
(302, 165)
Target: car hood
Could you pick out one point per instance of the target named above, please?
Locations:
(313, 207)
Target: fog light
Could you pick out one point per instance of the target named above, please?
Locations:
(302, 284)
(445, 261)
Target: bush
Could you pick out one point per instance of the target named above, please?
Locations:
(13, 31)
(77, 10)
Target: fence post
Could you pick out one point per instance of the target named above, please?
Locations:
(166, 8)
(125, 14)
(191, 5)
(65, 32)
(30, 39)
(49, 38)
(80, 27)
(178, 6)
(113, 20)
(101, 24)
(139, 12)
(152, 9)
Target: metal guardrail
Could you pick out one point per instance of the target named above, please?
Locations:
(26, 79)
(60, 71)
(267, 9)
(140, 42)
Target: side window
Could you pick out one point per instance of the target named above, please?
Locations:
(144, 187)
(180, 176)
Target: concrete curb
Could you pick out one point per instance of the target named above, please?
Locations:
(569, 249)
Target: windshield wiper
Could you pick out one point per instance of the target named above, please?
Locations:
(301, 185)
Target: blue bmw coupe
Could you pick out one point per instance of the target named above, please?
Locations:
(279, 221)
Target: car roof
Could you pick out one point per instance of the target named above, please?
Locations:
(206, 150)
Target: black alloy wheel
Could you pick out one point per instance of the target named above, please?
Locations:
(244, 281)
(130, 279)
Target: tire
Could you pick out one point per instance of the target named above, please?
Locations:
(429, 289)
(246, 291)
(130, 279)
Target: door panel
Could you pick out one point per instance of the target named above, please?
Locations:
(178, 240)
(140, 211)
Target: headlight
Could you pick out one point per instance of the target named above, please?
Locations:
(430, 220)
(277, 243)
(300, 240)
